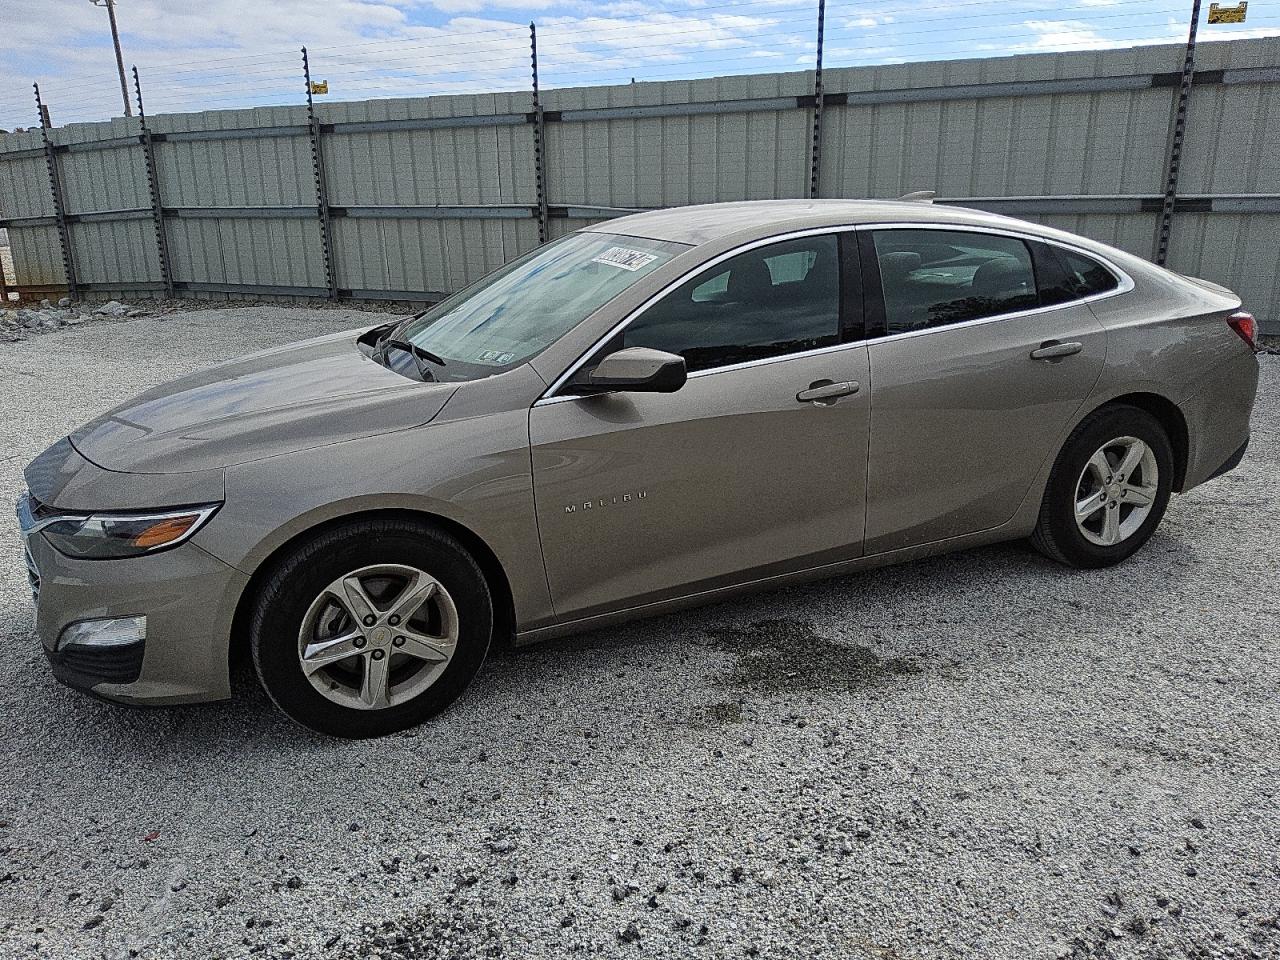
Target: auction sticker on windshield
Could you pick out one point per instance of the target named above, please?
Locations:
(624, 258)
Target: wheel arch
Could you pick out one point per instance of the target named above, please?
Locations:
(1170, 418)
(504, 619)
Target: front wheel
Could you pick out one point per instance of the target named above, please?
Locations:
(1108, 489)
(371, 627)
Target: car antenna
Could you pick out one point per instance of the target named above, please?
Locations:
(919, 196)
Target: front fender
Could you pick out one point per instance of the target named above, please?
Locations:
(474, 472)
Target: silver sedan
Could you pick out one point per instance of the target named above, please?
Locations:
(652, 412)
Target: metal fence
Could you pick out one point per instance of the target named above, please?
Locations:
(410, 199)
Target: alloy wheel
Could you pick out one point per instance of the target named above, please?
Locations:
(1116, 491)
(378, 636)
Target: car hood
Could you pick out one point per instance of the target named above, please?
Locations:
(303, 395)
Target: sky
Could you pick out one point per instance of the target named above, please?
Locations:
(235, 53)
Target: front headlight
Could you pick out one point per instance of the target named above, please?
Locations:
(109, 536)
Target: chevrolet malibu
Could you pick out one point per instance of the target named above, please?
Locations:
(652, 412)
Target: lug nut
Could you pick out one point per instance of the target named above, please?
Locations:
(358, 642)
(393, 620)
(378, 654)
(398, 641)
(370, 620)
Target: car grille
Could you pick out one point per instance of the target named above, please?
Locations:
(30, 512)
(33, 575)
(40, 510)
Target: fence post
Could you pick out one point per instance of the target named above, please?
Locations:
(816, 153)
(539, 142)
(153, 190)
(59, 208)
(322, 186)
(1177, 134)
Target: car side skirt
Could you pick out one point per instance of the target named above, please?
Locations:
(1018, 527)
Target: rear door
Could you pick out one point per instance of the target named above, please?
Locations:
(738, 475)
(978, 366)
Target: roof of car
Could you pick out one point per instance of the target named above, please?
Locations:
(711, 221)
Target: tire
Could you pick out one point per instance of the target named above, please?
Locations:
(305, 610)
(1077, 478)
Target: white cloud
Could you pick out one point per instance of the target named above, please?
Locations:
(868, 22)
(1078, 35)
(1064, 34)
(475, 6)
(236, 53)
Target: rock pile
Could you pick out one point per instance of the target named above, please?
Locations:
(23, 322)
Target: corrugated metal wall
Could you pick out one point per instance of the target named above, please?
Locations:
(428, 194)
(479, 166)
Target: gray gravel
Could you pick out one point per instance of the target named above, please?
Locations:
(981, 755)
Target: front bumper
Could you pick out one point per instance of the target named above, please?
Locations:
(188, 597)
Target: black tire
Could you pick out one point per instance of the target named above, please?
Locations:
(1056, 534)
(297, 579)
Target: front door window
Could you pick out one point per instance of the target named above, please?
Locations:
(768, 302)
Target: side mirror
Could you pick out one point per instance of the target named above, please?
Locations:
(634, 369)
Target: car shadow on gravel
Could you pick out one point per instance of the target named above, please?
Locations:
(787, 650)
(863, 628)
(829, 635)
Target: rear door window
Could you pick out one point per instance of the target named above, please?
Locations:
(935, 278)
(1065, 275)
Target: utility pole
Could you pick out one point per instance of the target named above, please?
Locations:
(115, 39)
(539, 140)
(815, 156)
(1177, 135)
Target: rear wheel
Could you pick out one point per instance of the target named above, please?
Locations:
(1108, 489)
(371, 628)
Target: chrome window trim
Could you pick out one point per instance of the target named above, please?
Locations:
(727, 368)
(1125, 283)
(549, 395)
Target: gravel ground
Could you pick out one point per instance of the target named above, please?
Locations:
(980, 755)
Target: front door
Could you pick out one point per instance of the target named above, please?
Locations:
(740, 474)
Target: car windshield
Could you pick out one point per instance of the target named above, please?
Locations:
(514, 313)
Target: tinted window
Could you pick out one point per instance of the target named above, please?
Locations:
(773, 300)
(1064, 276)
(932, 278)
(1086, 277)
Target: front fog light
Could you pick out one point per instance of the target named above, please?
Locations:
(104, 633)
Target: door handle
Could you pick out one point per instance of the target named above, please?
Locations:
(1054, 350)
(826, 392)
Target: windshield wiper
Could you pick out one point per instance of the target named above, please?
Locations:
(420, 355)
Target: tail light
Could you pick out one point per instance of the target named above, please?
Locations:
(1245, 327)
